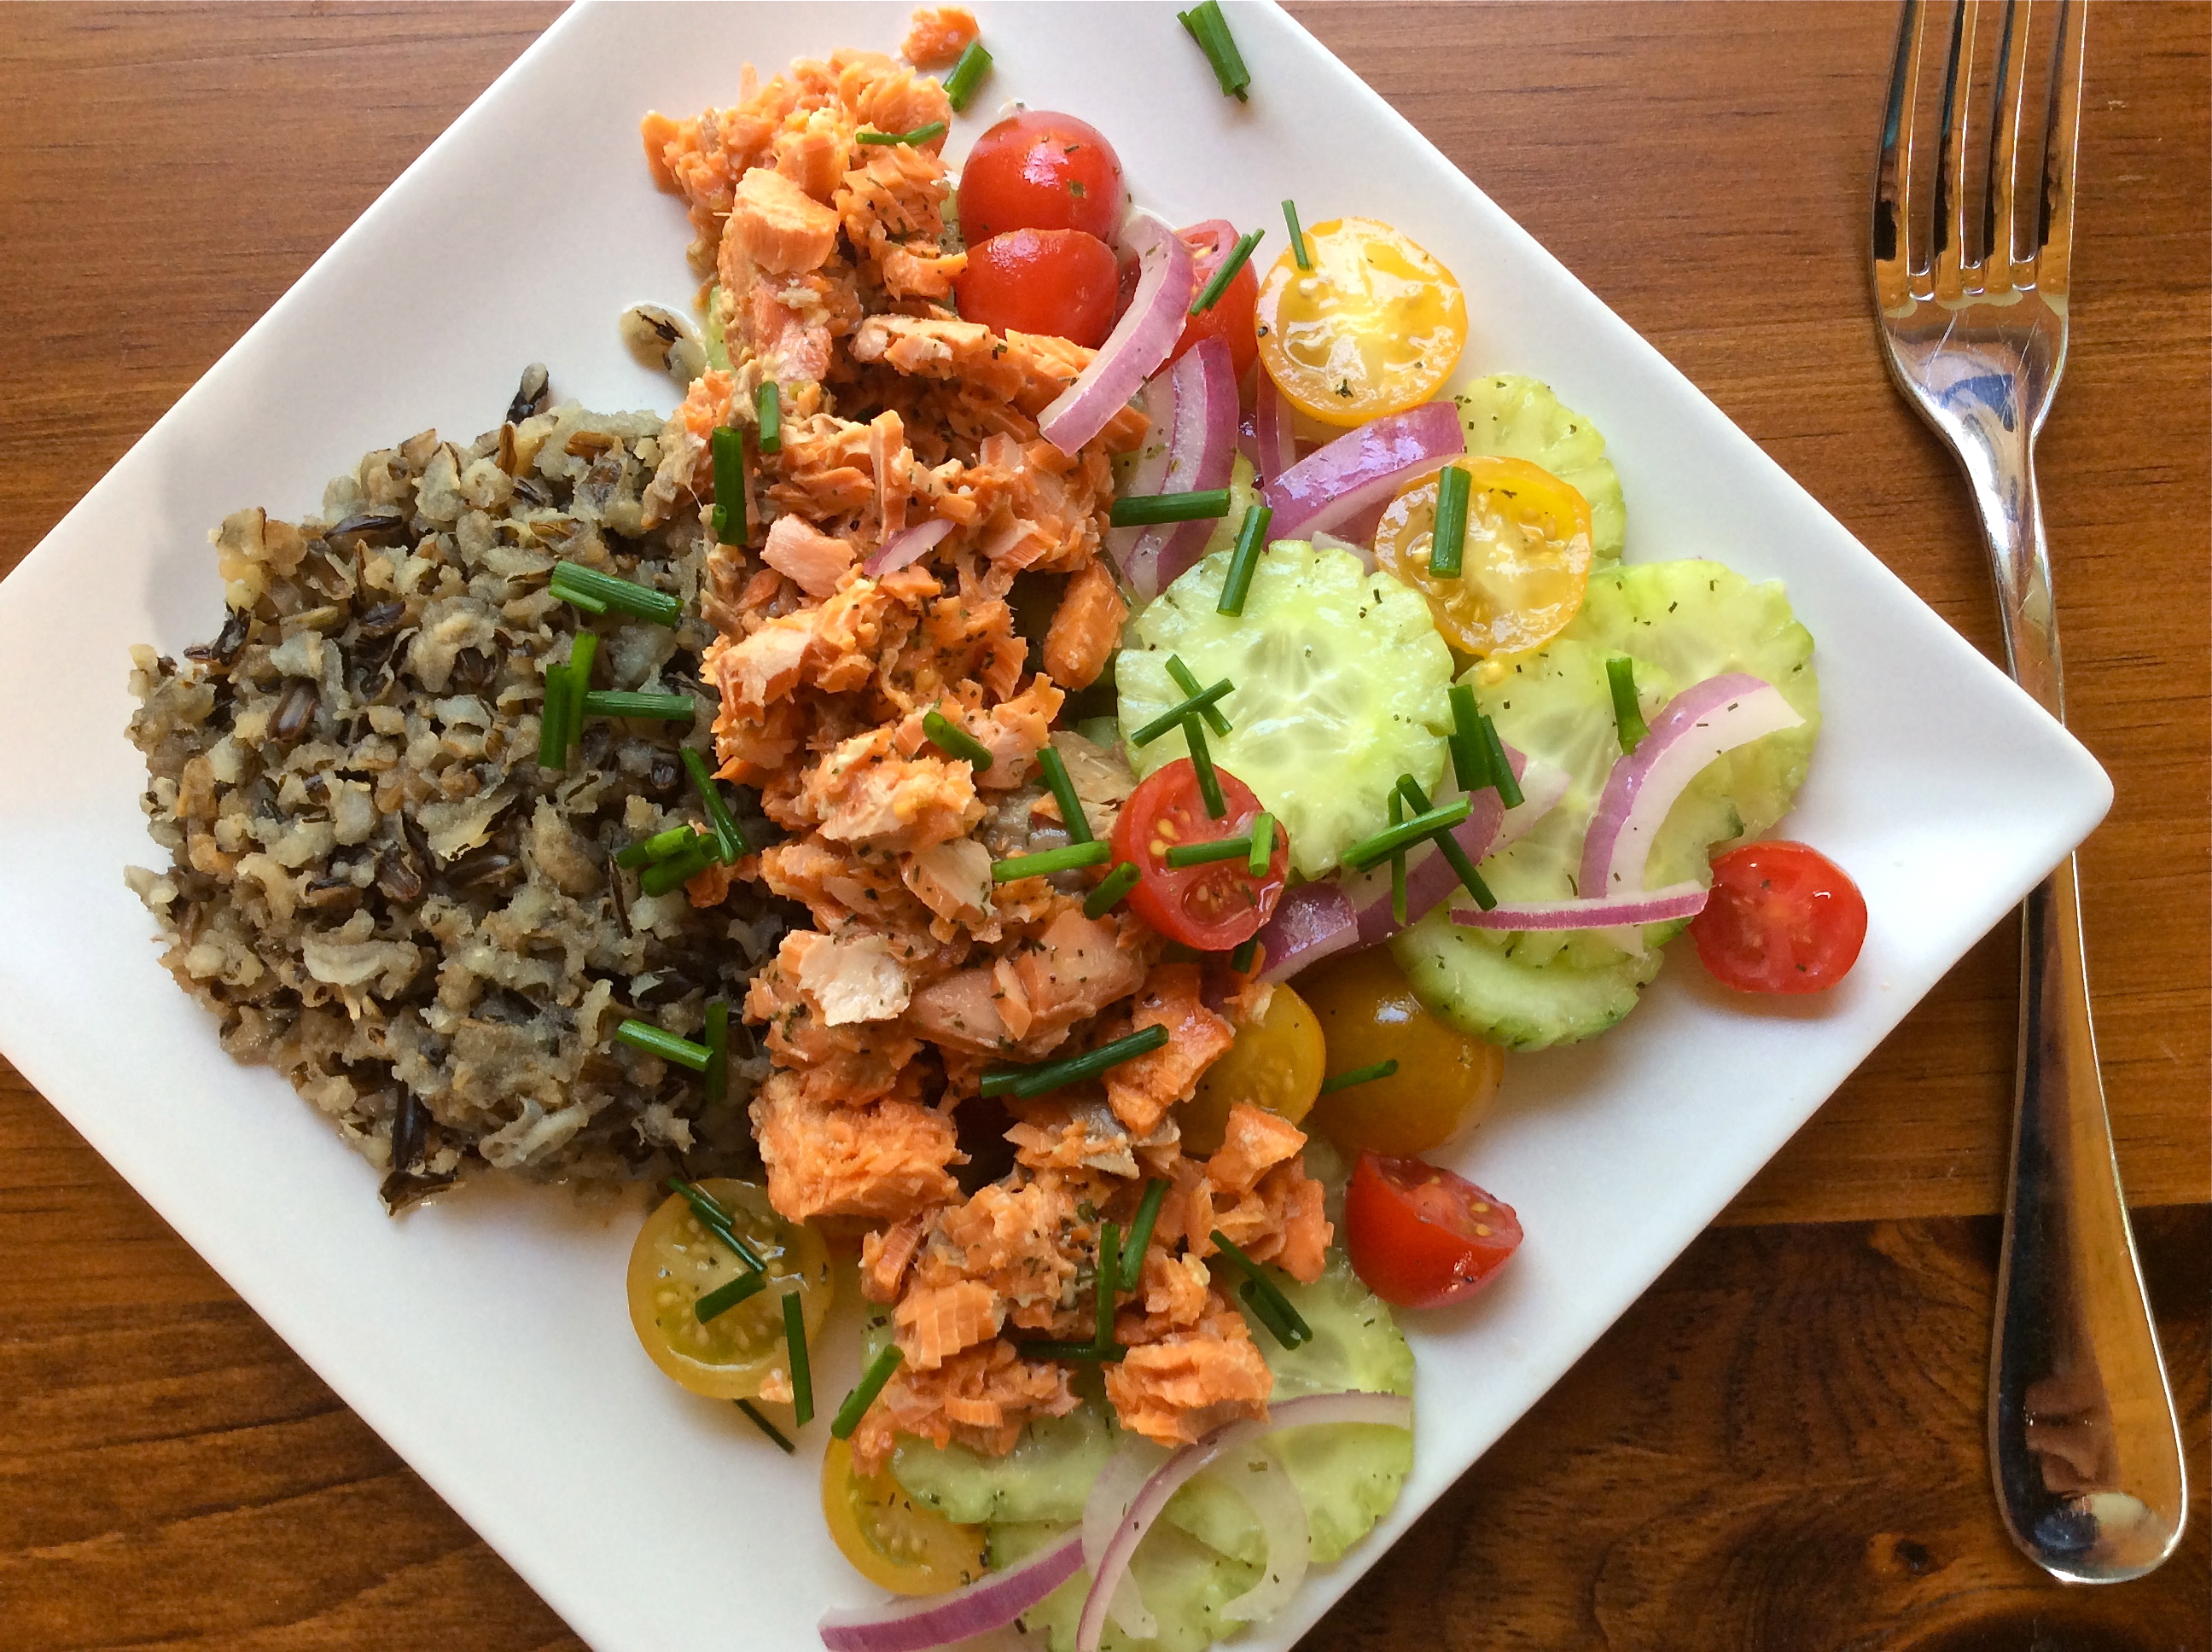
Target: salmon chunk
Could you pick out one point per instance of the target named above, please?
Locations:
(1086, 628)
(1141, 1091)
(982, 1397)
(813, 560)
(935, 1323)
(776, 226)
(937, 35)
(885, 1160)
(1191, 1381)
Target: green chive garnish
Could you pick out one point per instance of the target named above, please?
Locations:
(643, 1034)
(1263, 845)
(572, 580)
(1627, 716)
(1145, 510)
(1368, 851)
(1293, 1321)
(872, 1384)
(1197, 854)
(1366, 1075)
(1211, 31)
(1188, 682)
(1265, 1310)
(1050, 861)
(918, 135)
(1398, 867)
(730, 845)
(1197, 702)
(552, 719)
(960, 85)
(955, 741)
(729, 451)
(1247, 950)
(581, 652)
(1109, 1275)
(1501, 770)
(1063, 793)
(767, 1427)
(1297, 235)
(659, 846)
(1470, 757)
(662, 707)
(1449, 848)
(576, 598)
(1244, 562)
(1107, 895)
(1212, 292)
(767, 412)
(1448, 541)
(722, 1298)
(1043, 1350)
(716, 1220)
(1140, 1233)
(678, 869)
(718, 1050)
(1201, 761)
(1051, 1075)
(802, 1373)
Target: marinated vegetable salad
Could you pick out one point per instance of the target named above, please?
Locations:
(1192, 745)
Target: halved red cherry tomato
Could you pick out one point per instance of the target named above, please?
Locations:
(1216, 904)
(1783, 918)
(1037, 170)
(1229, 318)
(1053, 281)
(1421, 1236)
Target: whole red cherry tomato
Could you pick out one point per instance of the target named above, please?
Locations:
(1037, 170)
(1782, 918)
(1229, 318)
(1421, 1236)
(1216, 904)
(1051, 281)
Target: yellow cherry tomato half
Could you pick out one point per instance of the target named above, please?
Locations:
(1524, 564)
(893, 1541)
(1372, 328)
(1445, 1080)
(1275, 1063)
(676, 1261)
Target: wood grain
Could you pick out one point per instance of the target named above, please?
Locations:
(1779, 1447)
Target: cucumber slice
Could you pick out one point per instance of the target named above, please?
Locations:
(1517, 417)
(1340, 685)
(1045, 1478)
(1486, 989)
(1185, 1586)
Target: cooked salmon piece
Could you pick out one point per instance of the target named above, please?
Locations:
(884, 1255)
(953, 880)
(1029, 371)
(848, 978)
(1281, 1221)
(863, 791)
(921, 271)
(1081, 1133)
(982, 1397)
(1086, 628)
(812, 560)
(854, 1063)
(885, 1160)
(1102, 780)
(1018, 1241)
(937, 36)
(1253, 1141)
(1190, 1383)
(1077, 968)
(1141, 1091)
(776, 225)
(939, 1320)
(1173, 1295)
(815, 153)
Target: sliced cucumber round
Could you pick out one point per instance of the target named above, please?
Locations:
(1522, 997)
(1516, 417)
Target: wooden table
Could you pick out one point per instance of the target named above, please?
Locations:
(1780, 1447)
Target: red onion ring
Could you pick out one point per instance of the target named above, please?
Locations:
(1429, 878)
(906, 547)
(933, 1620)
(1202, 450)
(1310, 923)
(1112, 1495)
(1265, 1485)
(1362, 468)
(1275, 447)
(1657, 906)
(1140, 340)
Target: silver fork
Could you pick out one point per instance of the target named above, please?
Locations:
(1970, 277)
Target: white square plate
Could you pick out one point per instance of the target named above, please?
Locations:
(485, 1337)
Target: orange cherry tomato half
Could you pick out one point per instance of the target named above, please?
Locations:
(1229, 318)
(1445, 1080)
(1421, 1236)
(1523, 565)
(1212, 905)
(1061, 282)
(1782, 918)
(1037, 170)
(1373, 327)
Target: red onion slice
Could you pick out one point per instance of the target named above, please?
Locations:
(1265, 1485)
(1657, 906)
(1112, 1494)
(1140, 340)
(1310, 923)
(1200, 452)
(1363, 468)
(933, 1620)
(906, 547)
(1543, 785)
(1275, 447)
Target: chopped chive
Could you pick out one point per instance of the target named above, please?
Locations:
(581, 652)
(552, 719)
(1501, 770)
(1265, 1310)
(1197, 702)
(572, 580)
(872, 1384)
(1140, 1233)
(1147, 510)
(955, 741)
(1368, 851)
(1448, 541)
(729, 451)
(716, 1220)
(1292, 1321)
(1244, 561)
(1627, 716)
(960, 85)
(1201, 761)
(723, 1297)
(663, 708)
(659, 846)
(1263, 845)
(1210, 30)
(1366, 1075)
(802, 1373)
(643, 1034)
(1470, 757)
(1063, 793)
(1188, 682)
(768, 414)
(1220, 848)
(1044, 1350)
(576, 598)
(1297, 235)
(1107, 895)
(918, 135)
(730, 845)
(1453, 851)
(767, 1427)
(1109, 1275)
(1051, 1075)
(1398, 867)
(1210, 292)
(1247, 950)
(718, 1050)
(1050, 861)
(678, 869)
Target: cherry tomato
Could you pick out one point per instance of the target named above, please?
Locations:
(1216, 904)
(1037, 170)
(893, 1541)
(1421, 1236)
(1373, 327)
(1783, 918)
(1229, 318)
(1523, 568)
(1445, 1080)
(676, 1261)
(1053, 281)
(1275, 1063)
